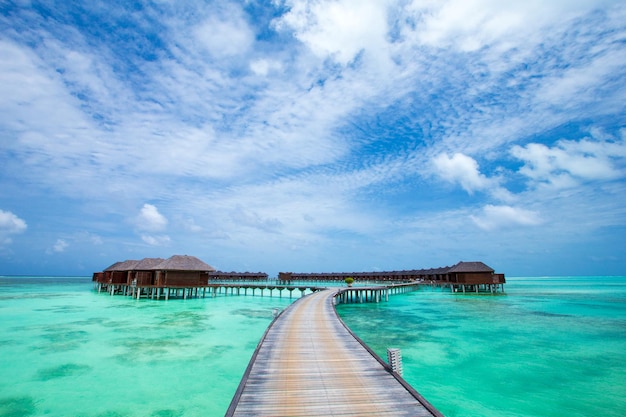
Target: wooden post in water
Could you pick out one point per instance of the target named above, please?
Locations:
(395, 360)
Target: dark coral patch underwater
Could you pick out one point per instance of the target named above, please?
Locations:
(68, 369)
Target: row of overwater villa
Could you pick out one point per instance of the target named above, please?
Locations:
(183, 276)
(308, 362)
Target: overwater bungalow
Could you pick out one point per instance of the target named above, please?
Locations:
(131, 276)
(182, 270)
(474, 276)
(474, 273)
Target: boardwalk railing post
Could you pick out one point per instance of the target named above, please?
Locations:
(394, 357)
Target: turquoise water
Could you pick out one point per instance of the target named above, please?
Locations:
(66, 350)
(549, 347)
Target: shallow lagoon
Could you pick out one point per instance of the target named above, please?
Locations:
(67, 350)
(549, 347)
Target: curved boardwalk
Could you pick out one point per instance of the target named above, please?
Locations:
(309, 364)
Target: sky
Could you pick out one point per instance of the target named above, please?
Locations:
(314, 136)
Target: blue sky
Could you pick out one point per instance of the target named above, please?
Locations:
(314, 136)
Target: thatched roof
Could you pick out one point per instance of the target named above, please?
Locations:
(147, 264)
(127, 265)
(470, 267)
(112, 267)
(183, 263)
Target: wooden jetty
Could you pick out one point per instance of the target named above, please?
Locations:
(309, 364)
(374, 294)
(204, 290)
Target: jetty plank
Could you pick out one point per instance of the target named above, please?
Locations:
(309, 364)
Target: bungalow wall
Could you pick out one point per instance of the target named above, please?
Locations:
(285, 276)
(185, 278)
(119, 277)
(474, 278)
(438, 277)
(499, 279)
(144, 277)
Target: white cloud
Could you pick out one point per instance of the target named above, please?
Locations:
(29, 89)
(83, 237)
(338, 29)
(569, 162)
(469, 25)
(60, 245)
(190, 225)
(461, 169)
(497, 217)
(156, 240)
(252, 219)
(263, 67)
(10, 224)
(225, 35)
(578, 85)
(148, 223)
(149, 219)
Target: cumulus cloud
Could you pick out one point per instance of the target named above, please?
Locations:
(337, 29)
(461, 169)
(10, 224)
(497, 217)
(150, 220)
(568, 162)
(148, 223)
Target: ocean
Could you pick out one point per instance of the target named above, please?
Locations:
(547, 347)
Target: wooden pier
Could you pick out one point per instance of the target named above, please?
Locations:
(202, 291)
(309, 364)
(374, 294)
